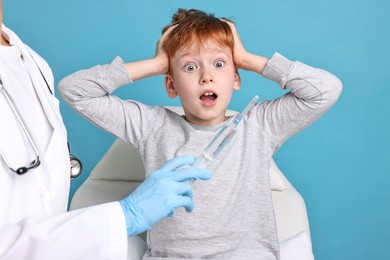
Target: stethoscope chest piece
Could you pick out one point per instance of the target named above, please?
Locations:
(76, 167)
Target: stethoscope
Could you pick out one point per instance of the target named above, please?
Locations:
(75, 164)
(36, 162)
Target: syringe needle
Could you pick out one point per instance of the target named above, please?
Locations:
(223, 137)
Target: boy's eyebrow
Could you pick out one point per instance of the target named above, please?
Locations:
(184, 55)
(215, 51)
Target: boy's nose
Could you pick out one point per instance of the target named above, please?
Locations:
(206, 78)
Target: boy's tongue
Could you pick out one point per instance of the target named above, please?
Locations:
(208, 98)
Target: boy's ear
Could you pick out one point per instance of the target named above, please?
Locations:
(169, 86)
(237, 81)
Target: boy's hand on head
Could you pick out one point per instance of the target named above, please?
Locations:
(242, 58)
(157, 65)
(161, 57)
(239, 52)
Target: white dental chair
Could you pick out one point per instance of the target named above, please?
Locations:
(121, 170)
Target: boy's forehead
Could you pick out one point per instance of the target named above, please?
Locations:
(197, 48)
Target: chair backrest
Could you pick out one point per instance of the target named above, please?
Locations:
(121, 170)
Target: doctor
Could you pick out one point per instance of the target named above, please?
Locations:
(35, 174)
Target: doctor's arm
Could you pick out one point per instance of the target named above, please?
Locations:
(89, 233)
(99, 232)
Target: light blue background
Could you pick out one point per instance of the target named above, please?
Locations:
(339, 164)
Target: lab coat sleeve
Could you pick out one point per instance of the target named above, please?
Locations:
(97, 232)
(312, 92)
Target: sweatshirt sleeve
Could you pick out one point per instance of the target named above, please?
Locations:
(89, 92)
(96, 232)
(312, 92)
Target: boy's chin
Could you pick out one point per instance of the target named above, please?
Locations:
(206, 119)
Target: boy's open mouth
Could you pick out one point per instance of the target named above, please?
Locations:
(208, 96)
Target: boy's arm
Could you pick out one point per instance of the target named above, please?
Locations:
(313, 91)
(145, 68)
(89, 92)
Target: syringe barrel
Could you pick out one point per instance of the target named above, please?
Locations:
(216, 145)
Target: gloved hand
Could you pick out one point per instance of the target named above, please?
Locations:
(161, 193)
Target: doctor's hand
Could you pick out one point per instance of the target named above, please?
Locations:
(160, 194)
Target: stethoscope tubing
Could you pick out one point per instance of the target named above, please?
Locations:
(34, 163)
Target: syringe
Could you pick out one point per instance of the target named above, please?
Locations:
(223, 137)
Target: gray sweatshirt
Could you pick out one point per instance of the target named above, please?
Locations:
(233, 216)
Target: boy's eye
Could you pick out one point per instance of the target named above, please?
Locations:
(190, 67)
(219, 64)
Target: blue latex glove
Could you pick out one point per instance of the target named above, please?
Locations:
(161, 193)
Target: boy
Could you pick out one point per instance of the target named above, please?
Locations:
(200, 54)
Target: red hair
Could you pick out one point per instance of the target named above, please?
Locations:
(196, 27)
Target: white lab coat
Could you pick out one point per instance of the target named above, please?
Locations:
(34, 223)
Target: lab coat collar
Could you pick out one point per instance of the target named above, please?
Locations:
(36, 66)
(56, 157)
